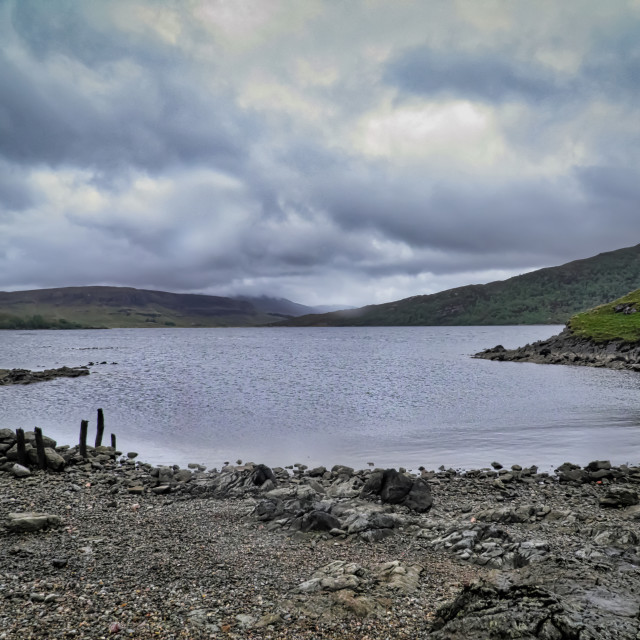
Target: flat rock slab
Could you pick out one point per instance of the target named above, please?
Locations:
(31, 521)
(24, 376)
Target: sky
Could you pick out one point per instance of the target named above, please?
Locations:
(342, 152)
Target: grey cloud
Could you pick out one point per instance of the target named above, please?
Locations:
(303, 209)
(15, 194)
(150, 113)
(483, 75)
(472, 217)
(614, 184)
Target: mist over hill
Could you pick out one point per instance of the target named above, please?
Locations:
(126, 307)
(546, 296)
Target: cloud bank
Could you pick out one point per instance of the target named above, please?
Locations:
(325, 152)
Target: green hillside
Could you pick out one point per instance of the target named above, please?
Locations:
(617, 320)
(110, 307)
(546, 296)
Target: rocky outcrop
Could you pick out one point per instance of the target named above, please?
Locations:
(541, 604)
(566, 348)
(24, 376)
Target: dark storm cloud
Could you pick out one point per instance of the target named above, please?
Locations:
(498, 73)
(472, 217)
(263, 146)
(617, 188)
(484, 75)
(95, 101)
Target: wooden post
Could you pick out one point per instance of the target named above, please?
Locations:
(113, 440)
(100, 428)
(84, 427)
(42, 459)
(22, 449)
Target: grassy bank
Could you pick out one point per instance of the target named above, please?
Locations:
(617, 320)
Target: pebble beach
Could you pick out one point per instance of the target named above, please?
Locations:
(120, 549)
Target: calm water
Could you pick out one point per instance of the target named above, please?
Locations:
(401, 396)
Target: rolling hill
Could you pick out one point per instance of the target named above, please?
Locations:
(547, 296)
(111, 307)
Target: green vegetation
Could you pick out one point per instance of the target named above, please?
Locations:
(36, 322)
(617, 320)
(547, 296)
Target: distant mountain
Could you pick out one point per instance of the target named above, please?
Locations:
(281, 306)
(546, 296)
(111, 307)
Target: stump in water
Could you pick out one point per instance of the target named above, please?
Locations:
(22, 448)
(42, 459)
(100, 430)
(84, 427)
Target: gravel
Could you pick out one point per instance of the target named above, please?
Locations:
(191, 563)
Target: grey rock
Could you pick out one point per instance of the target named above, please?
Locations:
(19, 471)
(161, 489)
(319, 521)
(394, 487)
(184, 475)
(54, 460)
(31, 521)
(261, 473)
(342, 470)
(619, 496)
(419, 498)
(375, 535)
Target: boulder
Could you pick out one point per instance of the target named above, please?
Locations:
(419, 498)
(319, 521)
(260, 474)
(54, 460)
(19, 471)
(30, 437)
(618, 496)
(342, 470)
(569, 472)
(394, 487)
(597, 465)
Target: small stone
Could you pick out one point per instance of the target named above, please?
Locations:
(268, 619)
(131, 455)
(246, 621)
(137, 490)
(161, 489)
(19, 471)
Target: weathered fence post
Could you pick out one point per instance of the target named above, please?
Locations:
(22, 448)
(42, 459)
(100, 430)
(113, 440)
(84, 427)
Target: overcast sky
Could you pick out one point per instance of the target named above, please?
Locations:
(336, 151)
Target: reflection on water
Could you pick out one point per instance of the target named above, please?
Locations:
(396, 396)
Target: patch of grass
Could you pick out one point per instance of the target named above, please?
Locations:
(609, 322)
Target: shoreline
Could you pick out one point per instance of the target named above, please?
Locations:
(133, 550)
(568, 349)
